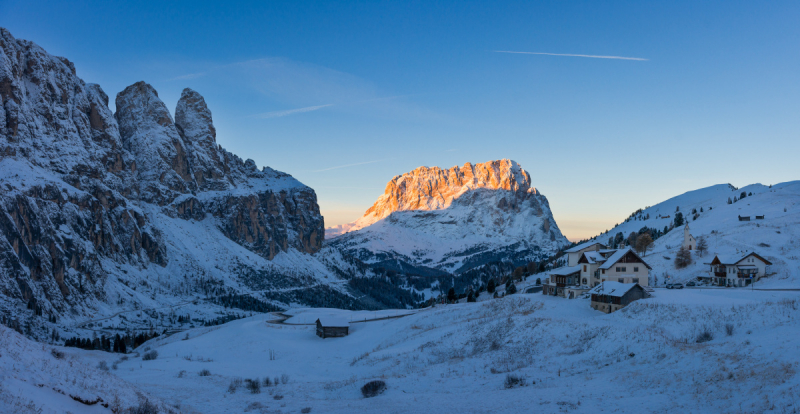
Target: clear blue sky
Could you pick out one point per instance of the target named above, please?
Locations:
(380, 88)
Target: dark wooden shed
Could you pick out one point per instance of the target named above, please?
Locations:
(332, 328)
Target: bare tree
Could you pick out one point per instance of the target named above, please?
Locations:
(683, 258)
(518, 272)
(702, 246)
(644, 243)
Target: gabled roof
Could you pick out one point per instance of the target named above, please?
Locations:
(584, 246)
(565, 270)
(731, 260)
(611, 288)
(592, 258)
(333, 322)
(611, 261)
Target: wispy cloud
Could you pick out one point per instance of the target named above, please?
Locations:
(348, 165)
(276, 114)
(188, 76)
(572, 55)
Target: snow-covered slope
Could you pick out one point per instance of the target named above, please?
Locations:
(453, 220)
(776, 237)
(644, 358)
(41, 379)
(102, 212)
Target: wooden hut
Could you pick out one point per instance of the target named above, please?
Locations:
(612, 296)
(328, 327)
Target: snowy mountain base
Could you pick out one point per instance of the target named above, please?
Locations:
(691, 351)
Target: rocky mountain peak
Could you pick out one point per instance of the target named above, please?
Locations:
(434, 188)
(433, 220)
(193, 118)
(148, 132)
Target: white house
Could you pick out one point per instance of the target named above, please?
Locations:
(574, 254)
(727, 271)
(689, 242)
(596, 266)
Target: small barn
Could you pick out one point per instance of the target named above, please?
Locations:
(612, 296)
(329, 327)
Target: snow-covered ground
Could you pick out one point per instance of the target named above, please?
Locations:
(41, 379)
(776, 237)
(456, 358)
(300, 316)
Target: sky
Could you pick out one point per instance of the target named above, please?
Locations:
(610, 106)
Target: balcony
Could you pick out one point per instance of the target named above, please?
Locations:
(720, 274)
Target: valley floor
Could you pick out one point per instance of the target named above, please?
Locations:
(456, 358)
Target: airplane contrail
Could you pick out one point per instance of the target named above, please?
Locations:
(572, 55)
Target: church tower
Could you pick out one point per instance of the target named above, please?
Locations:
(688, 240)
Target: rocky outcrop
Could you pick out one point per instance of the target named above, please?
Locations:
(87, 193)
(454, 219)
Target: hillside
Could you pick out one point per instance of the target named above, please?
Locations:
(432, 221)
(41, 379)
(644, 358)
(776, 237)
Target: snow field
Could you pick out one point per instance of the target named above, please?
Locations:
(645, 358)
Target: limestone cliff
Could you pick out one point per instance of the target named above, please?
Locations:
(454, 219)
(87, 194)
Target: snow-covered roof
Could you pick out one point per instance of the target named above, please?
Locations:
(732, 260)
(594, 257)
(565, 271)
(614, 258)
(583, 246)
(612, 288)
(332, 321)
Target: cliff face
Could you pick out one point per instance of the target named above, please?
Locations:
(454, 219)
(86, 192)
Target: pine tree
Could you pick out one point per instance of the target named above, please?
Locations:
(511, 288)
(491, 286)
(451, 295)
(678, 219)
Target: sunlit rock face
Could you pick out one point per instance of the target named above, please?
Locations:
(87, 193)
(454, 219)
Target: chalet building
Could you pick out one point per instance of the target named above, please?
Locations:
(596, 264)
(744, 218)
(575, 253)
(332, 327)
(610, 296)
(619, 265)
(727, 271)
(689, 243)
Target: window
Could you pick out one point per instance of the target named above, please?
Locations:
(584, 280)
(635, 280)
(635, 268)
(621, 280)
(584, 268)
(618, 269)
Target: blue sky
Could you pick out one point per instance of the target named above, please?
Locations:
(346, 95)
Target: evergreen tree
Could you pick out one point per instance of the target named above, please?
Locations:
(451, 295)
(471, 296)
(491, 286)
(678, 219)
(511, 288)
